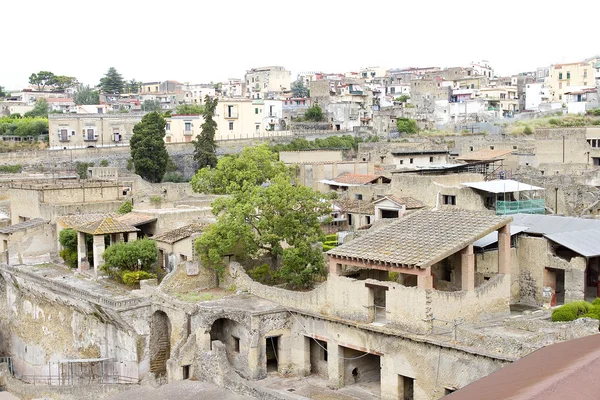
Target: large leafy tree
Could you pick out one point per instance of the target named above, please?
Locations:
(314, 113)
(151, 105)
(133, 86)
(148, 149)
(86, 95)
(41, 109)
(205, 146)
(62, 82)
(406, 125)
(112, 82)
(299, 90)
(42, 79)
(264, 215)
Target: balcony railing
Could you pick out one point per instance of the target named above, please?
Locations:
(90, 139)
(231, 115)
(188, 133)
(535, 206)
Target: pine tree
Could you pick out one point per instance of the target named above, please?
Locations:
(205, 152)
(112, 82)
(148, 149)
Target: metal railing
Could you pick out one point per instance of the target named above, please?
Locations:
(9, 362)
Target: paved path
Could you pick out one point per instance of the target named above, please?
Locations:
(7, 396)
(182, 390)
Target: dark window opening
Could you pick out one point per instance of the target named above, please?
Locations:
(236, 344)
(272, 353)
(449, 200)
(389, 214)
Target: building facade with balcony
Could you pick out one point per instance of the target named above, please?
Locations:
(263, 82)
(563, 77)
(76, 131)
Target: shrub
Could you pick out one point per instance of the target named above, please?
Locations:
(10, 169)
(174, 177)
(69, 256)
(129, 164)
(262, 274)
(594, 312)
(104, 163)
(82, 169)
(406, 125)
(331, 238)
(563, 315)
(68, 239)
(132, 278)
(554, 121)
(139, 255)
(125, 208)
(527, 130)
(596, 302)
(573, 310)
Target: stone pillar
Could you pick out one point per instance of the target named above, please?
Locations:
(504, 250)
(390, 388)
(467, 268)
(425, 281)
(131, 236)
(99, 248)
(300, 354)
(335, 268)
(82, 261)
(334, 170)
(335, 365)
(356, 167)
(118, 237)
(257, 351)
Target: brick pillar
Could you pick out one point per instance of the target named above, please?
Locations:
(425, 281)
(335, 365)
(504, 250)
(99, 248)
(335, 268)
(82, 261)
(467, 268)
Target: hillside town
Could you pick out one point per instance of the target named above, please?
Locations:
(384, 232)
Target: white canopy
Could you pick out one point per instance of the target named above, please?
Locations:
(502, 186)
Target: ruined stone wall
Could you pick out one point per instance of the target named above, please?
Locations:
(561, 145)
(486, 265)
(33, 245)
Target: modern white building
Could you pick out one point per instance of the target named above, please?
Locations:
(535, 94)
(195, 93)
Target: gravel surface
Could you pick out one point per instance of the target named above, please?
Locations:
(182, 390)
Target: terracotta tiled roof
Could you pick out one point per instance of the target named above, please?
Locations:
(105, 226)
(409, 202)
(135, 219)
(421, 239)
(359, 179)
(485, 155)
(356, 206)
(72, 221)
(178, 234)
(23, 225)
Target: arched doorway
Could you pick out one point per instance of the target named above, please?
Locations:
(160, 343)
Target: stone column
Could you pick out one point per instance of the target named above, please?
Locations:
(390, 385)
(334, 170)
(425, 281)
(300, 354)
(131, 236)
(467, 268)
(335, 365)
(504, 250)
(82, 261)
(99, 248)
(257, 351)
(118, 237)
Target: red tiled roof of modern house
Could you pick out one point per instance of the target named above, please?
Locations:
(421, 239)
(178, 234)
(359, 179)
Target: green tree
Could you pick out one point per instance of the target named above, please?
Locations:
(68, 240)
(402, 99)
(112, 82)
(133, 86)
(189, 109)
(139, 255)
(125, 208)
(41, 109)
(406, 125)
(2, 93)
(42, 79)
(205, 146)
(314, 113)
(235, 173)
(86, 95)
(151, 105)
(148, 149)
(62, 82)
(299, 90)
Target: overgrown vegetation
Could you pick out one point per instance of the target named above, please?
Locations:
(131, 262)
(406, 125)
(10, 169)
(17, 126)
(189, 109)
(330, 242)
(577, 309)
(104, 163)
(345, 142)
(263, 212)
(82, 169)
(556, 121)
(125, 208)
(68, 240)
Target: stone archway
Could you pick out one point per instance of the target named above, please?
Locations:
(160, 343)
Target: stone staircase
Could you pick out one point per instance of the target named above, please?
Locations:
(158, 364)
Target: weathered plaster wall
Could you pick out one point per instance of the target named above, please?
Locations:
(33, 245)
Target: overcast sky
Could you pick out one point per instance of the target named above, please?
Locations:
(203, 41)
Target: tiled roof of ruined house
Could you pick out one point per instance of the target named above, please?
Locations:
(409, 202)
(135, 219)
(421, 239)
(180, 233)
(105, 226)
(72, 221)
(356, 206)
(359, 179)
(23, 225)
(485, 155)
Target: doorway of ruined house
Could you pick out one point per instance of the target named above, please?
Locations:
(555, 279)
(377, 300)
(592, 288)
(363, 370)
(272, 353)
(161, 259)
(160, 343)
(318, 357)
(5, 249)
(406, 388)
(185, 372)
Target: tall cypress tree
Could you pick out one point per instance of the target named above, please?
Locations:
(112, 82)
(205, 146)
(148, 149)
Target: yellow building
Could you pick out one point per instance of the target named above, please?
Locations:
(503, 99)
(562, 77)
